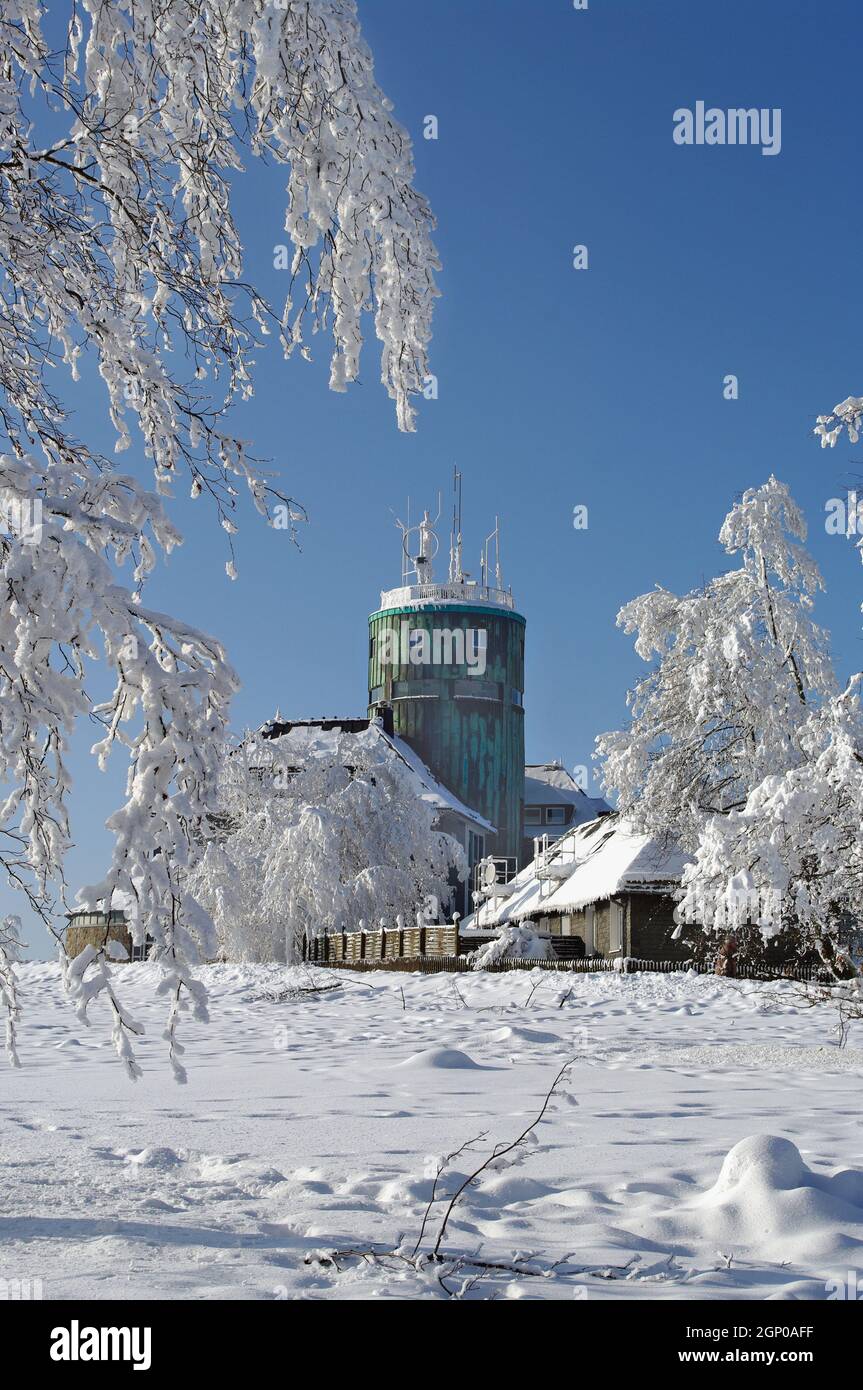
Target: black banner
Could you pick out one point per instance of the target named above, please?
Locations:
(59, 1339)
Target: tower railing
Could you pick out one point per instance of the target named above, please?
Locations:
(446, 593)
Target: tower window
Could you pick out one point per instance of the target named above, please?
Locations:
(472, 688)
(429, 689)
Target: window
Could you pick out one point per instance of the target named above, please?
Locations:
(377, 695)
(615, 926)
(476, 848)
(590, 930)
(555, 815)
(517, 697)
(416, 689)
(472, 688)
(533, 815)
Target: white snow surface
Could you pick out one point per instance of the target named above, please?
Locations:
(706, 1145)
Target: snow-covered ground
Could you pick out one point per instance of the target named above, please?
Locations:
(314, 1124)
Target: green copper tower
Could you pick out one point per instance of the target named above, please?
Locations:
(448, 660)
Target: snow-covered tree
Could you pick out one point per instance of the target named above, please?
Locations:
(119, 149)
(737, 666)
(317, 839)
(792, 855)
(828, 839)
(741, 747)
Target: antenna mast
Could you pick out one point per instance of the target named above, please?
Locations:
(455, 570)
(405, 529)
(486, 559)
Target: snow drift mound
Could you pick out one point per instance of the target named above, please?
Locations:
(761, 1159)
(154, 1157)
(526, 1035)
(448, 1058)
(767, 1202)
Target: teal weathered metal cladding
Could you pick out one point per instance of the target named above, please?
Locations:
(467, 726)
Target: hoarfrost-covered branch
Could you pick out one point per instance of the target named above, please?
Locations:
(735, 668)
(847, 415)
(119, 255)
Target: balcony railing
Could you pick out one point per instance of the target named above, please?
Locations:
(554, 862)
(446, 593)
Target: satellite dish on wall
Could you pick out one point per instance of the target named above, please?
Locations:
(489, 874)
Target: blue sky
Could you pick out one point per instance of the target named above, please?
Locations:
(557, 387)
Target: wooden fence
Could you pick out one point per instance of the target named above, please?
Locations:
(431, 950)
(398, 947)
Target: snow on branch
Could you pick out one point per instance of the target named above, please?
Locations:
(735, 666)
(847, 415)
(119, 254)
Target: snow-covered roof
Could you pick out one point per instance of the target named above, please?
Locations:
(551, 784)
(321, 734)
(540, 793)
(553, 774)
(121, 901)
(435, 791)
(611, 857)
(588, 864)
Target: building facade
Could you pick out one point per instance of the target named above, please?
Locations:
(102, 930)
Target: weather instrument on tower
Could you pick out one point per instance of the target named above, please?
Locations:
(420, 545)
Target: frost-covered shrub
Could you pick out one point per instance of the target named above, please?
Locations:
(521, 942)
